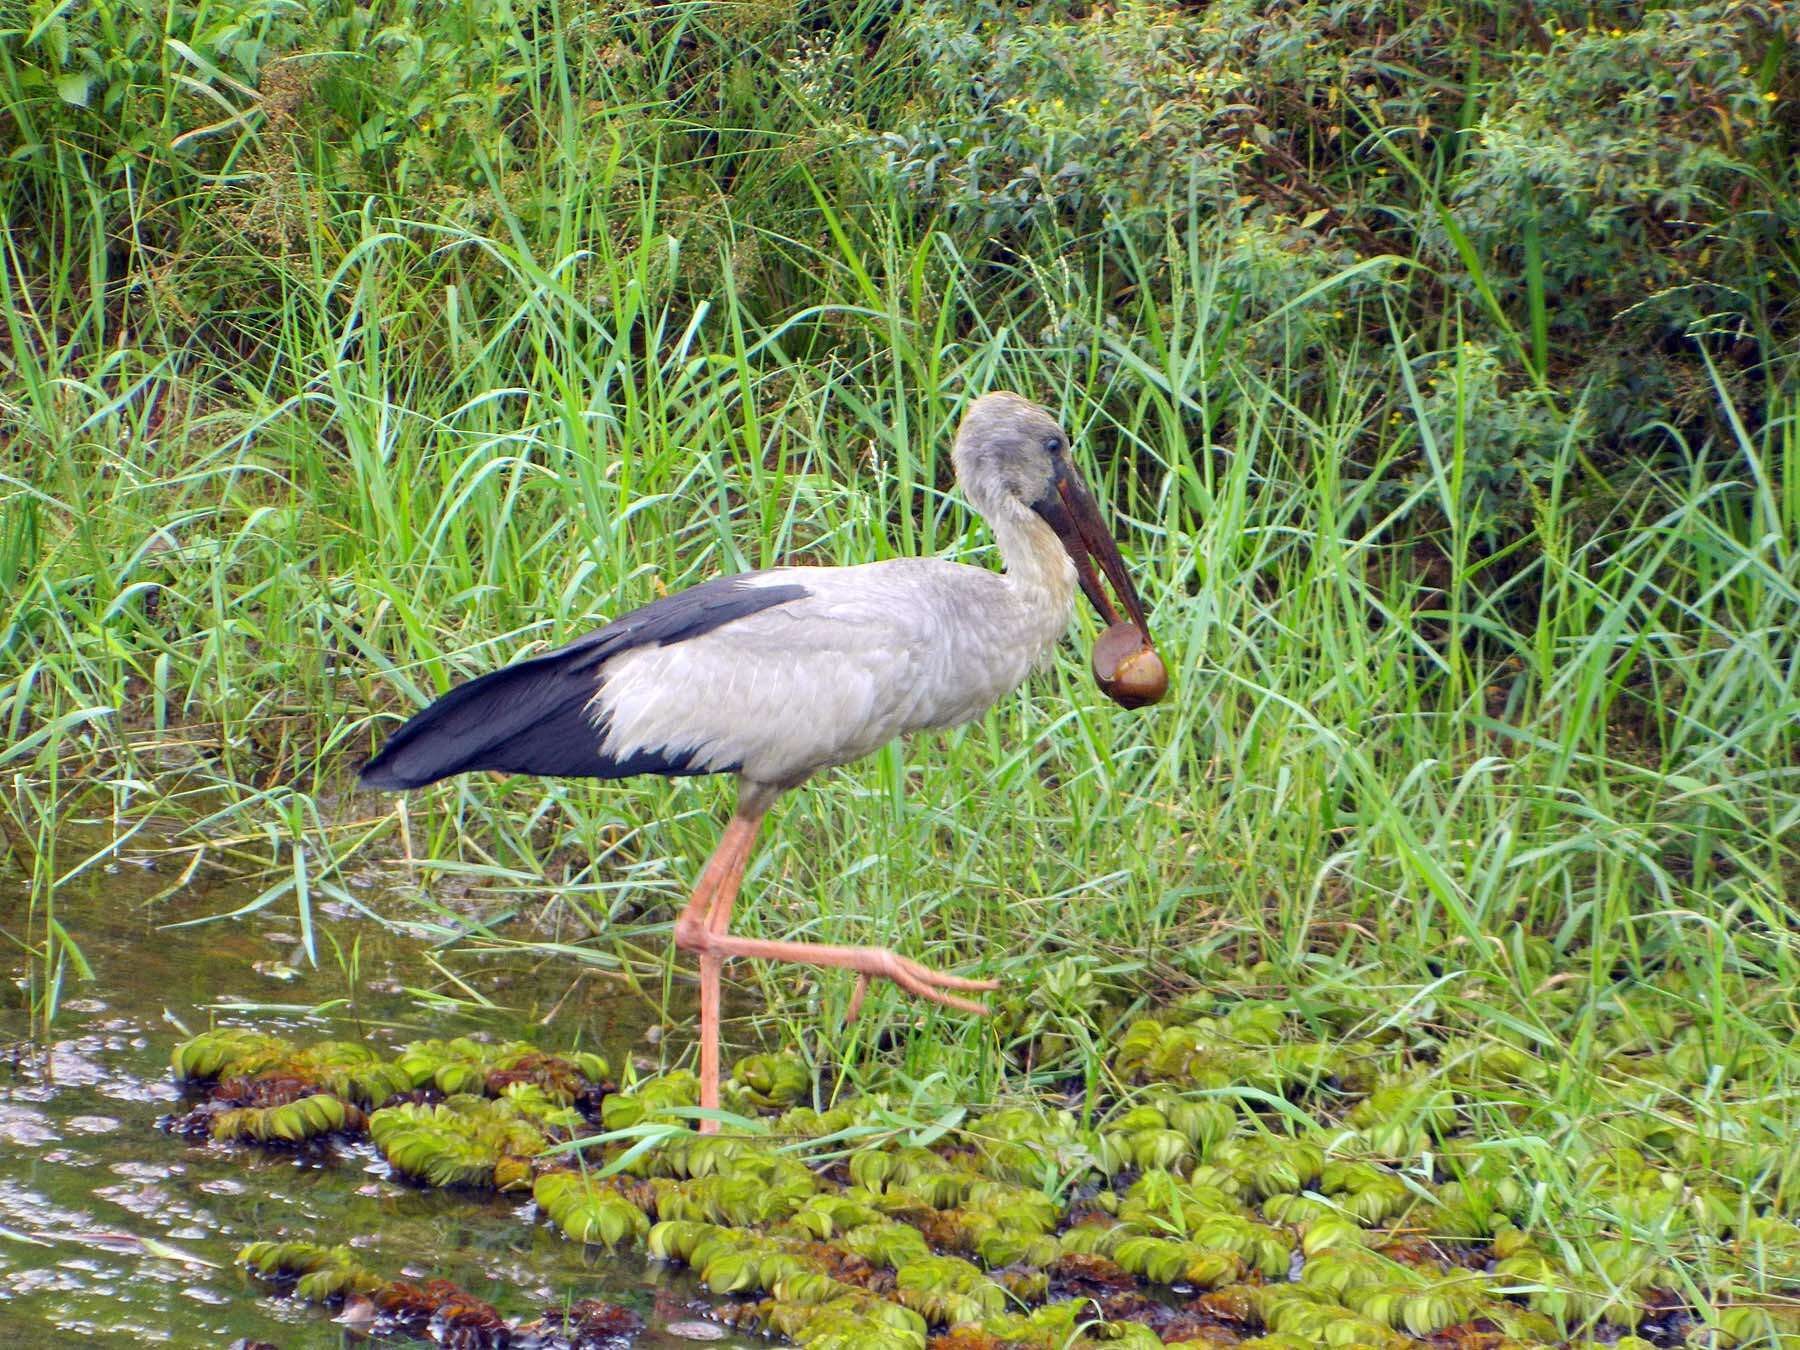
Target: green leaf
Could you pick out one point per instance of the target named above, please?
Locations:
(74, 88)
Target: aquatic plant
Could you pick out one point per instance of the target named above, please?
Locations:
(650, 1099)
(227, 1052)
(772, 1082)
(437, 1310)
(318, 1273)
(886, 1243)
(588, 1211)
(760, 1191)
(1368, 1193)
(309, 1117)
(468, 1141)
(264, 1092)
(462, 1065)
(1305, 1238)
(1166, 1261)
(567, 1079)
(946, 1290)
(351, 1070)
(826, 1214)
(850, 1320)
(346, 1069)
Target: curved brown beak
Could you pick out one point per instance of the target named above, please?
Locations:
(1070, 510)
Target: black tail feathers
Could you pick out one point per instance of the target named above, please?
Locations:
(537, 717)
(532, 717)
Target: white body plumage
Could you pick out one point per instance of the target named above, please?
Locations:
(867, 654)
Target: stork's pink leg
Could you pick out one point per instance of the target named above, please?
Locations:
(702, 929)
(713, 894)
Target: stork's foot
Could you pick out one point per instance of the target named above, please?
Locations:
(869, 963)
(921, 981)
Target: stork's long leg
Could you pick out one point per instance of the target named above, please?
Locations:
(714, 895)
(702, 929)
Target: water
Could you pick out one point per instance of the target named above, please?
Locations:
(114, 1233)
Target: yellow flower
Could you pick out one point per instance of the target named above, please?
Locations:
(1771, 96)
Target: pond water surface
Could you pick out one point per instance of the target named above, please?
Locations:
(114, 1232)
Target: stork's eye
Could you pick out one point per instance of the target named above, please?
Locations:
(1053, 445)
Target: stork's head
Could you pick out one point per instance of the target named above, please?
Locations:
(1009, 447)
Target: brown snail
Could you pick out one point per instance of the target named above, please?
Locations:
(1127, 667)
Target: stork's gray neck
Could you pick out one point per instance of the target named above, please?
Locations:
(1037, 565)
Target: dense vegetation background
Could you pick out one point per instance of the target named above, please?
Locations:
(1438, 356)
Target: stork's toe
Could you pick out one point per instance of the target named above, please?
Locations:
(924, 982)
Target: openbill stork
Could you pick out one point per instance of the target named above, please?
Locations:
(774, 675)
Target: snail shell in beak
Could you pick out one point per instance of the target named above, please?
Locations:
(1127, 668)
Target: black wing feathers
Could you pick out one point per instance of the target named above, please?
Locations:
(533, 717)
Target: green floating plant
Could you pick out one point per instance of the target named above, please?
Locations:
(1368, 1193)
(826, 1214)
(1072, 1324)
(1401, 1108)
(467, 1141)
(886, 1244)
(1264, 1165)
(1095, 1238)
(1299, 1211)
(1420, 1310)
(1757, 1321)
(650, 1100)
(295, 1122)
(684, 1154)
(227, 1053)
(997, 1245)
(1305, 1239)
(588, 1211)
(351, 1070)
(1316, 1319)
(772, 1082)
(320, 1273)
(851, 1320)
(1167, 1261)
(804, 1122)
(946, 1289)
(1476, 1208)
(531, 1102)
(437, 1309)
(1027, 1147)
(463, 1065)
(912, 1175)
(1331, 1233)
(346, 1069)
(761, 1191)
